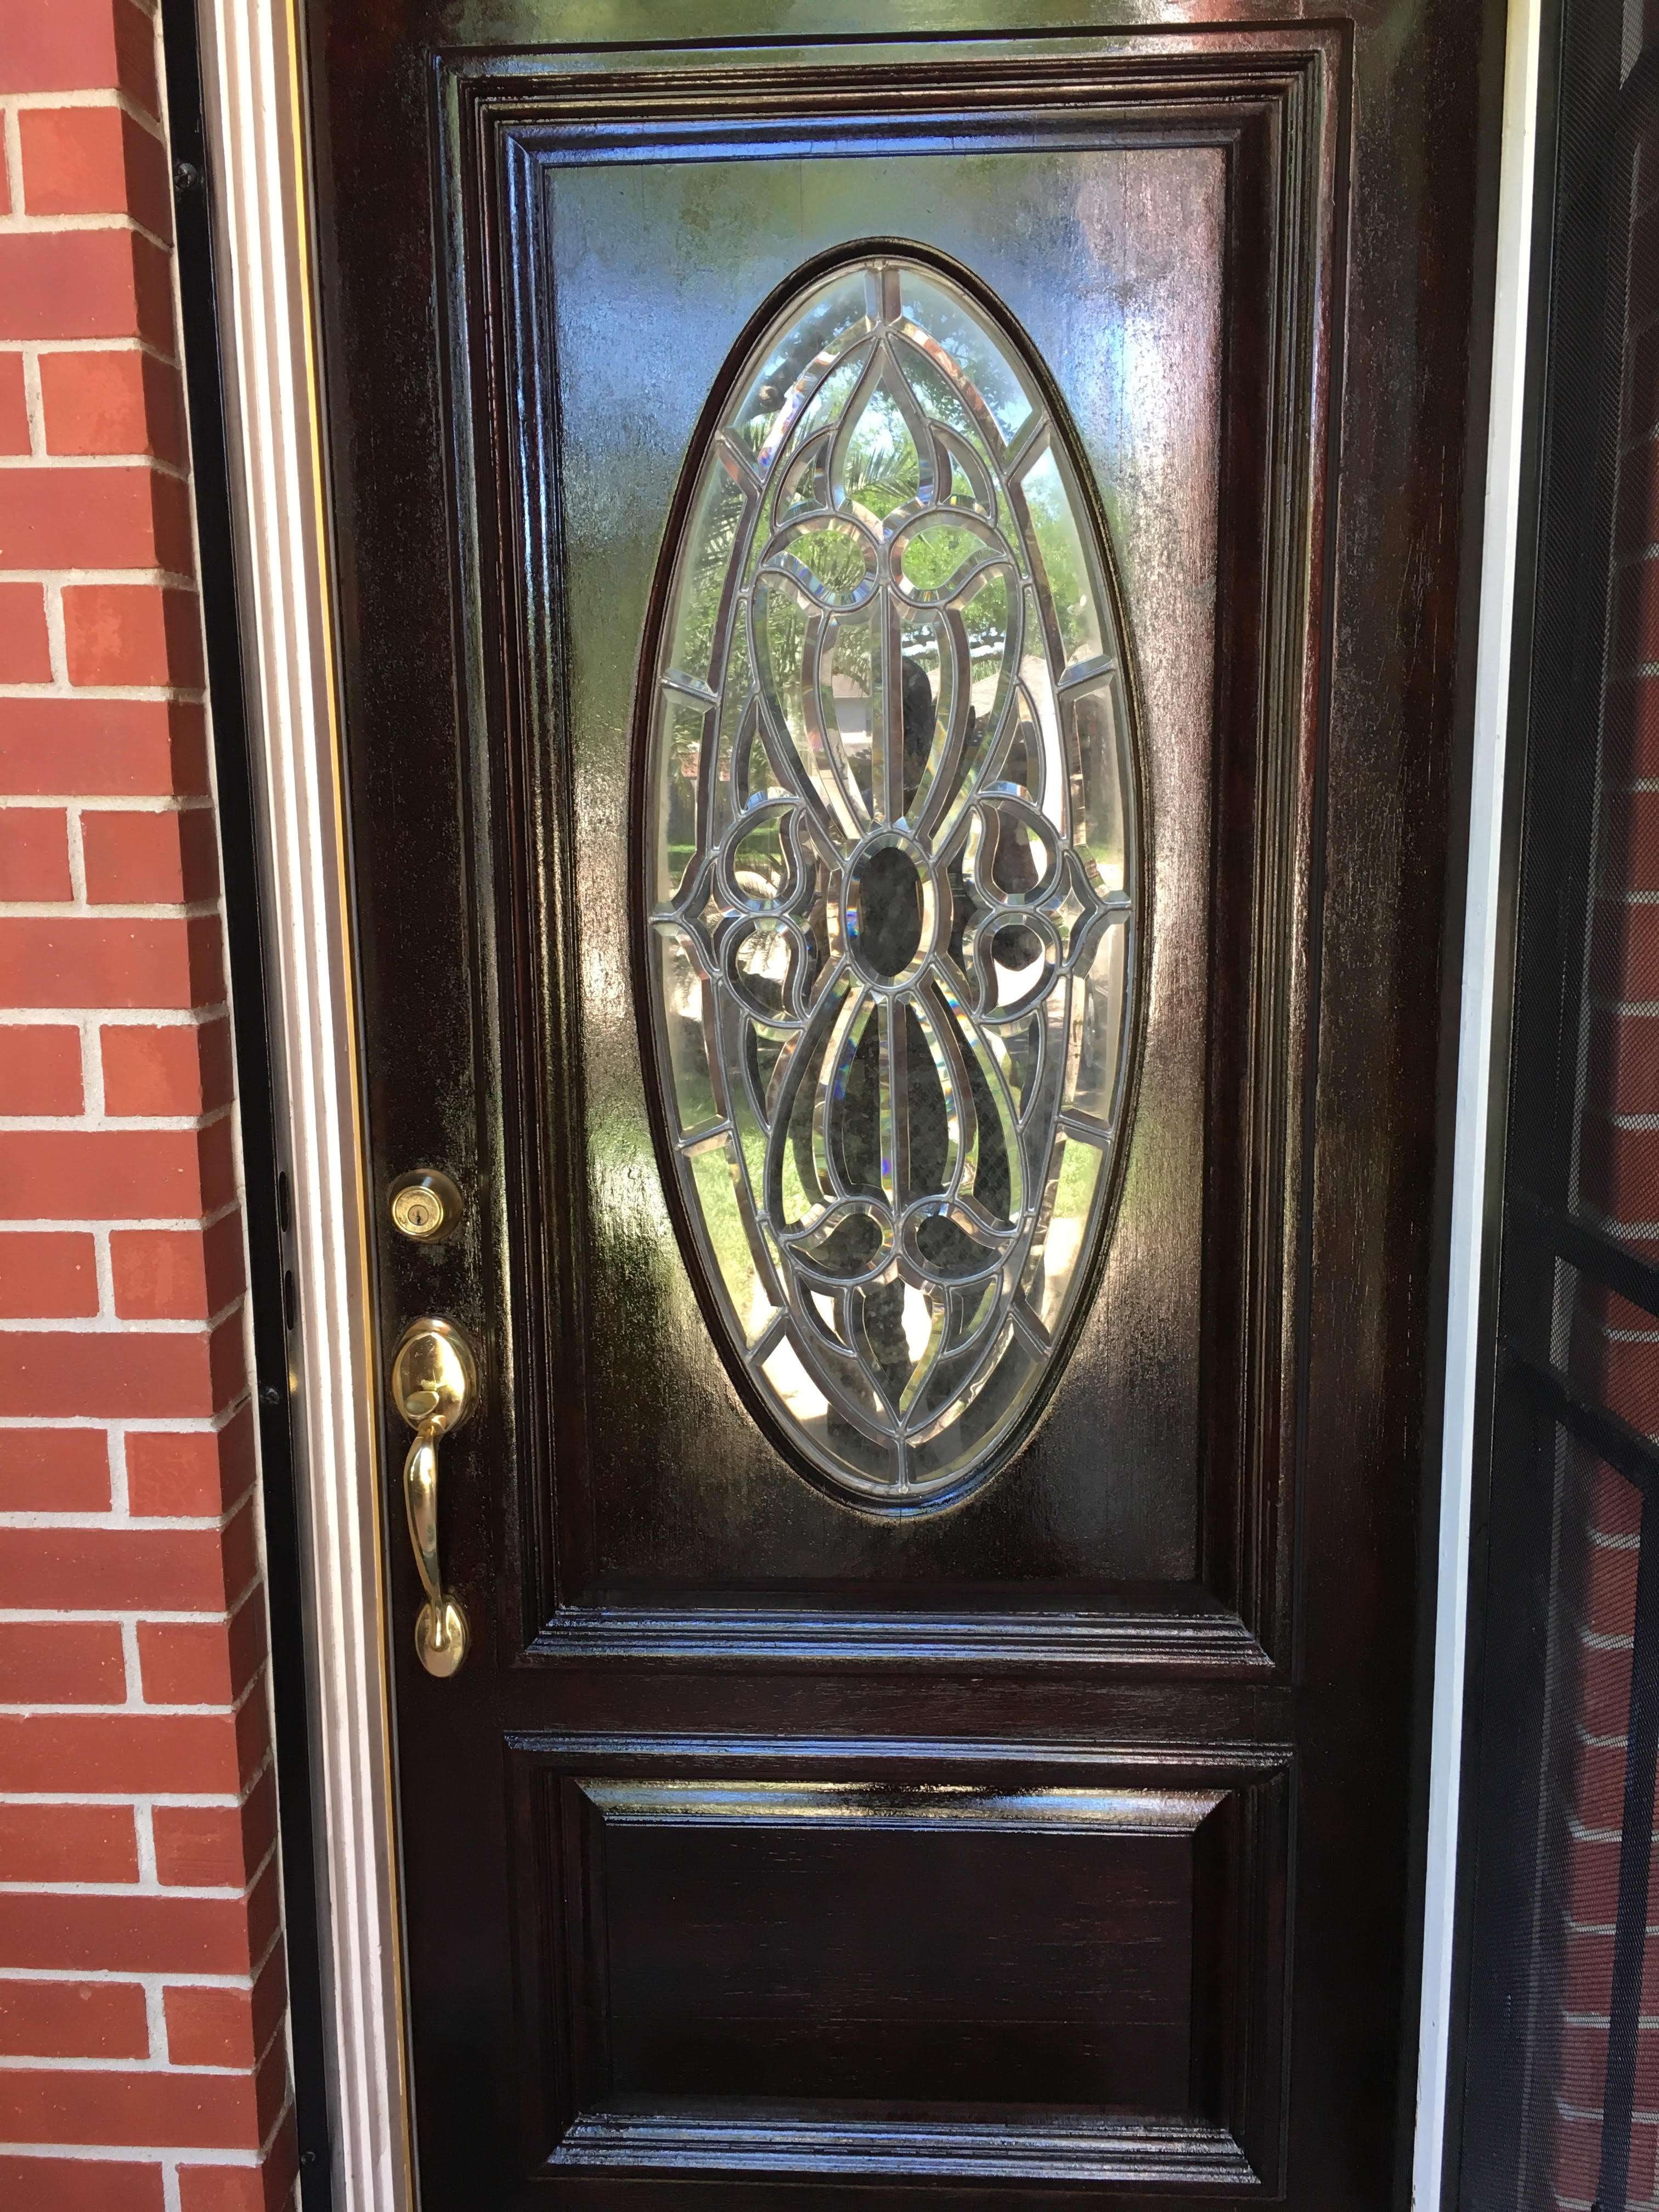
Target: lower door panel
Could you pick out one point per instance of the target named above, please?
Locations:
(956, 1961)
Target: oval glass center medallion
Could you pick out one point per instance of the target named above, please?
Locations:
(891, 880)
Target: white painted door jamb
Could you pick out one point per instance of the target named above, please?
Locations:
(250, 90)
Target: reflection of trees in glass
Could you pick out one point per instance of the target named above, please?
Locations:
(888, 563)
(882, 468)
(834, 557)
(934, 556)
(714, 541)
(781, 622)
(951, 325)
(829, 318)
(682, 748)
(938, 399)
(1055, 528)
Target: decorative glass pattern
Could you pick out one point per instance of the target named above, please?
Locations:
(891, 896)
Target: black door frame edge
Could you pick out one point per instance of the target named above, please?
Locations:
(265, 1178)
(1475, 493)
(1541, 308)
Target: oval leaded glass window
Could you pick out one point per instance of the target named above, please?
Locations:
(891, 880)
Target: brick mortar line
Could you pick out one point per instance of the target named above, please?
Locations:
(1597, 1639)
(118, 1017)
(90, 223)
(1644, 2115)
(124, 1616)
(166, 1224)
(92, 95)
(64, 575)
(94, 1125)
(166, 1801)
(121, 1324)
(177, 1524)
(145, 1425)
(61, 460)
(145, 2068)
(184, 1893)
(129, 1977)
(23, 2062)
(147, 2153)
(37, 1709)
(114, 1612)
(131, 343)
(74, 910)
(1591, 1741)
(106, 694)
(125, 1124)
(13, 148)
(192, 802)
(130, 1893)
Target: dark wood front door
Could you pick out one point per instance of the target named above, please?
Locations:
(904, 590)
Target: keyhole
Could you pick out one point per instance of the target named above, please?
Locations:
(426, 1206)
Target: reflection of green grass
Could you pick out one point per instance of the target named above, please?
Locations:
(1079, 1171)
(759, 864)
(713, 1171)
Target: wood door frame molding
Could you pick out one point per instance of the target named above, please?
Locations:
(1276, 99)
(254, 109)
(251, 86)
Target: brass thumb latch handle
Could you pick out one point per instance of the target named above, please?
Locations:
(434, 1386)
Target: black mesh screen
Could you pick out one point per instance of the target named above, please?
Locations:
(1561, 2087)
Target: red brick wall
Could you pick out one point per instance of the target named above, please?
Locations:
(1615, 1347)
(143, 2061)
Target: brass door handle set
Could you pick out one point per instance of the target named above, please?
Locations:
(434, 1386)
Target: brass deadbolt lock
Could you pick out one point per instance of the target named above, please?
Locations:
(426, 1206)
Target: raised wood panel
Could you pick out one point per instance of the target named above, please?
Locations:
(927, 1958)
(1249, 254)
(1147, 1522)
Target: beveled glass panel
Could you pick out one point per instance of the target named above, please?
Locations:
(890, 803)
(1067, 592)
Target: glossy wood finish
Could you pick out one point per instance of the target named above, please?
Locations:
(682, 1900)
(668, 1485)
(962, 1962)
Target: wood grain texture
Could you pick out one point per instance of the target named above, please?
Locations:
(922, 1958)
(1246, 250)
(665, 1484)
